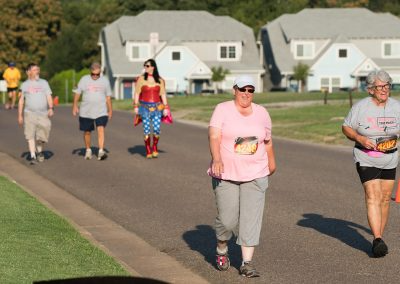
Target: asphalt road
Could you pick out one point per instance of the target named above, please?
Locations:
(314, 231)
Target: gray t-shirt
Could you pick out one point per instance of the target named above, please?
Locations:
(35, 93)
(375, 122)
(94, 93)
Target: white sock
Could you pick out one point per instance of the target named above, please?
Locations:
(39, 146)
(222, 251)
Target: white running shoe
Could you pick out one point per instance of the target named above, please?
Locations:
(102, 155)
(88, 154)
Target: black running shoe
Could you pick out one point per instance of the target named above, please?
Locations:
(379, 248)
(248, 270)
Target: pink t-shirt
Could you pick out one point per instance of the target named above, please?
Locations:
(242, 146)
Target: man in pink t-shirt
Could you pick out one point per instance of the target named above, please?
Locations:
(242, 159)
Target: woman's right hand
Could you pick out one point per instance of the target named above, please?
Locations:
(217, 168)
(365, 142)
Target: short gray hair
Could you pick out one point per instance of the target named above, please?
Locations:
(95, 65)
(381, 75)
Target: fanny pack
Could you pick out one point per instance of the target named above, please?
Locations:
(386, 145)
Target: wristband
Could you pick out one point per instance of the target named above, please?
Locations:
(51, 108)
(166, 106)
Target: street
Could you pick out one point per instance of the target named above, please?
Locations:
(315, 228)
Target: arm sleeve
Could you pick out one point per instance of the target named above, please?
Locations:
(47, 89)
(351, 118)
(268, 127)
(108, 89)
(217, 117)
(79, 88)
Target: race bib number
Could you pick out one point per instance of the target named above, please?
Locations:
(246, 145)
(385, 144)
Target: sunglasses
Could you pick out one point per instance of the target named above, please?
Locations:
(95, 74)
(251, 90)
(147, 66)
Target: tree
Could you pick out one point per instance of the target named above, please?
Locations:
(300, 73)
(218, 75)
(27, 27)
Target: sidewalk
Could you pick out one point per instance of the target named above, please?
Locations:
(137, 256)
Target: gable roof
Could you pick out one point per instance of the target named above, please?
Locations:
(175, 28)
(349, 22)
(188, 25)
(336, 25)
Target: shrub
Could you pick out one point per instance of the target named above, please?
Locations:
(62, 84)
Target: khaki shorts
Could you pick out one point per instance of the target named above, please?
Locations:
(36, 126)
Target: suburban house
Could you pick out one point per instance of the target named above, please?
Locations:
(340, 45)
(186, 45)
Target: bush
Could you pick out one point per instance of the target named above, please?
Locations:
(62, 84)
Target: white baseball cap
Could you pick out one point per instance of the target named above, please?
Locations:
(243, 81)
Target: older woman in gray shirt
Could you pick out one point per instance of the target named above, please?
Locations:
(373, 124)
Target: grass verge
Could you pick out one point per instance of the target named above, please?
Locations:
(39, 245)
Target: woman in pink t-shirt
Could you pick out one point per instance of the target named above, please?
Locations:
(242, 159)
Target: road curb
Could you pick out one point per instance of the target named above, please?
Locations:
(134, 254)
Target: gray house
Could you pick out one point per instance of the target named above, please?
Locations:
(340, 45)
(186, 46)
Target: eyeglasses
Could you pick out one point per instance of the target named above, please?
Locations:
(250, 90)
(381, 87)
(147, 66)
(95, 74)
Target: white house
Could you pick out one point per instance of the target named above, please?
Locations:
(340, 45)
(186, 45)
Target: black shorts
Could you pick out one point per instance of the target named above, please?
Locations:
(89, 124)
(12, 89)
(370, 173)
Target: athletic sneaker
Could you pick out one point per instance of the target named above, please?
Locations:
(40, 157)
(379, 248)
(32, 160)
(248, 270)
(88, 154)
(102, 155)
(223, 262)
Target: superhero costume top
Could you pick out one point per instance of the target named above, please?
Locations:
(150, 93)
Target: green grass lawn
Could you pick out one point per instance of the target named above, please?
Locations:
(36, 244)
(316, 123)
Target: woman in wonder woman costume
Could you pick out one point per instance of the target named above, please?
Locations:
(150, 102)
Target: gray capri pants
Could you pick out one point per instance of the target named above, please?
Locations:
(240, 207)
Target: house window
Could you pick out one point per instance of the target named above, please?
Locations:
(335, 82)
(391, 49)
(176, 56)
(227, 52)
(330, 83)
(324, 83)
(138, 52)
(342, 53)
(304, 50)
